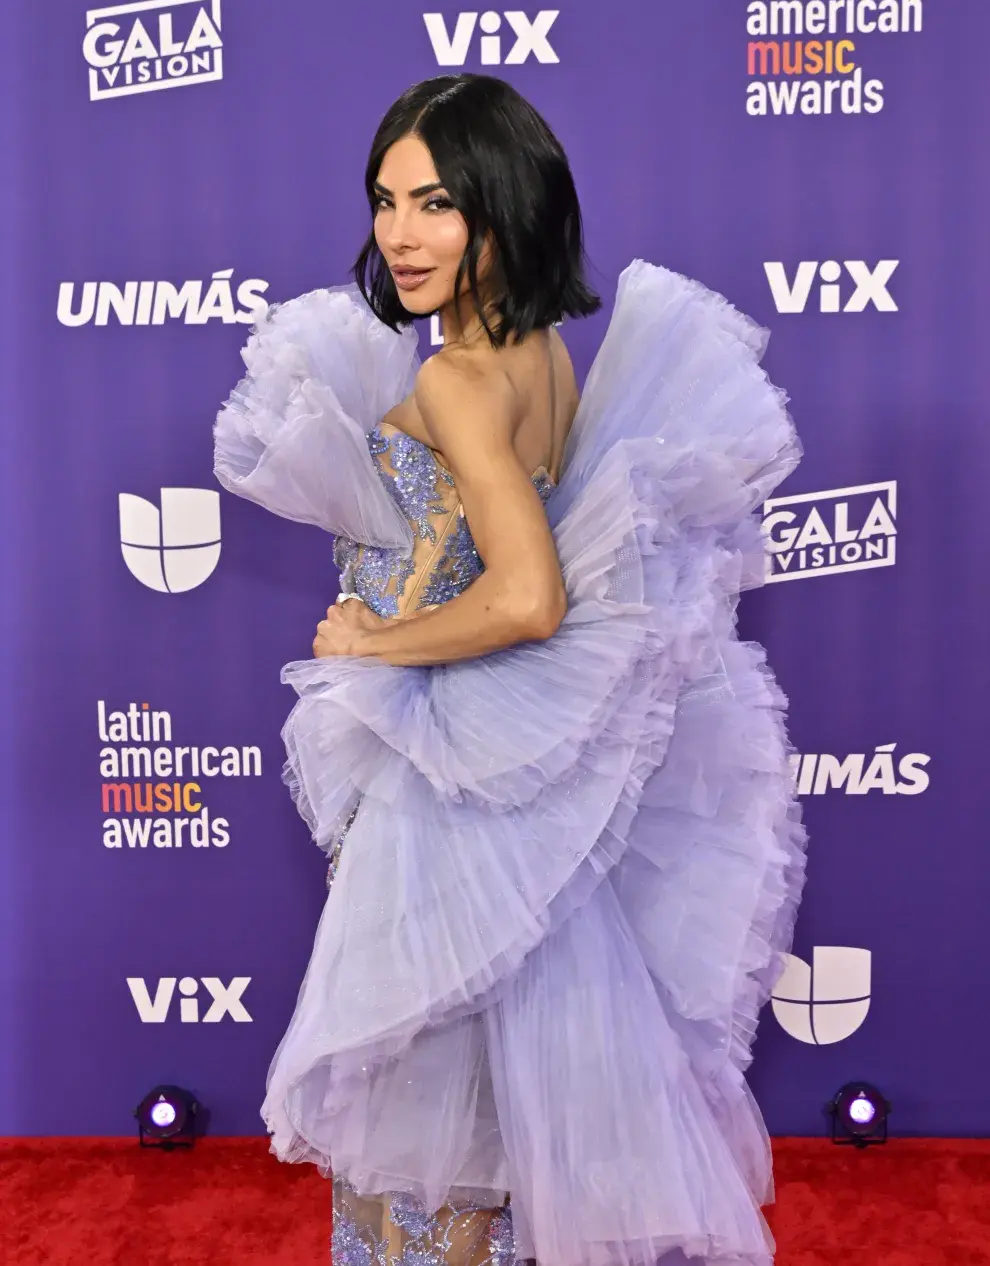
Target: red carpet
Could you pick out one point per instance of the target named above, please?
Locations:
(100, 1202)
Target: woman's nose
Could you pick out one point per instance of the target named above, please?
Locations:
(400, 229)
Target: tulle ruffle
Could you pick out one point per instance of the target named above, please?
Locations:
(575, 864)
(291, 436)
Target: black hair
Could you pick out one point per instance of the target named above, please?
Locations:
(507, 174)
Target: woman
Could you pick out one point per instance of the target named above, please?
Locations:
(565, 854)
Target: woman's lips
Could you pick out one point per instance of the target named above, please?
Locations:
(410, 278)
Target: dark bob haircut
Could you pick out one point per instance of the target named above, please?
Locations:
(507, 174)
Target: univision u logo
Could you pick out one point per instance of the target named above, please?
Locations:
(826, 1000)
(175, 548)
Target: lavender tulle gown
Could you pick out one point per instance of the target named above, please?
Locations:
(570, 868)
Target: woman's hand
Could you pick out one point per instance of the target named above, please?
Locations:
(344, 629)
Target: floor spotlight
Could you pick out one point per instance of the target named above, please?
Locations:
(166, 1118)
(859, 1115)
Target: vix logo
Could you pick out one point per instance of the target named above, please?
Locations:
(226, 999)
(870, 285)
(531, 37)
(174, 549)
(827, 1000)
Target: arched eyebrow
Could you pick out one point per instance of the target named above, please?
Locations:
(418, 192)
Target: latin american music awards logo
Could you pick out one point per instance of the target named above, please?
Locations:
(152, 790)
(815, 68)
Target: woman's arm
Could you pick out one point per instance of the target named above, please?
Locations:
(520, 595)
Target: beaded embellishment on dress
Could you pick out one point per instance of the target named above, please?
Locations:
(505, 999)
(444, 560)
(396, 1230)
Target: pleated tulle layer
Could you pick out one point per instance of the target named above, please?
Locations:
(574, 864)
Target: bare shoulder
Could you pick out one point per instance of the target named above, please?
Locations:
(564, 368)
(454, 388)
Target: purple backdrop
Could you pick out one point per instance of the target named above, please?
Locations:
(821, 164)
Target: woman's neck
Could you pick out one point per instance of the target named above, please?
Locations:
(464, 327)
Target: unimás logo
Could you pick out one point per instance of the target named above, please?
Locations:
(225, 1000)
(815, 68)
(852, 286)
(859, 773)
(151, 790)
(152, 44)
(176, 548)
(155, 302)
(826, 1000)
(823, 533)
(528, 37)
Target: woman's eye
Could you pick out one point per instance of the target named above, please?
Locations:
(437, 203)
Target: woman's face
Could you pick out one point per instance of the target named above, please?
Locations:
(419, 232)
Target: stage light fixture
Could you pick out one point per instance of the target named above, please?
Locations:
(859, 1115)
(167, 1118)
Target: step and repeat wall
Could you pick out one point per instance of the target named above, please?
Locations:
(176, 165)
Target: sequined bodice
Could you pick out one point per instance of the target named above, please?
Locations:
(444, 560)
